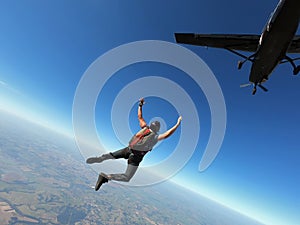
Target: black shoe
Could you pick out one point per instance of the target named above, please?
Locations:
(94, 160)
(102, 178)
(99, 159)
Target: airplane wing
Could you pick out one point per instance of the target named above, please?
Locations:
(295, 45)
(242, 42)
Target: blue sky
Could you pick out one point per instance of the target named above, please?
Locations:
(46, 46)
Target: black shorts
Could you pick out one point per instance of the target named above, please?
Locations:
(134, 157)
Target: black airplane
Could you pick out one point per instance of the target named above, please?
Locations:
(269, 49)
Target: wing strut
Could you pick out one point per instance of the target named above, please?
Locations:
(239, 54)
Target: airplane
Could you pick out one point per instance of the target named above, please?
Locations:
(269, 49)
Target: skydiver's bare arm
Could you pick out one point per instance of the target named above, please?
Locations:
(169, 132)
(140, 113)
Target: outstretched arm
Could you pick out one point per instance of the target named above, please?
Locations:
(140, 113)
(169, 132)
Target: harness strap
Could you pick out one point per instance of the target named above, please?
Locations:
(139, 137)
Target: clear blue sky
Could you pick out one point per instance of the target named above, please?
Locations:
(46, 46)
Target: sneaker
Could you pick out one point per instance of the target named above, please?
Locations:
(99, 159)
(102, 178)
(94, 160)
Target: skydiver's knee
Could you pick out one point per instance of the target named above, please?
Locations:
(127, 178)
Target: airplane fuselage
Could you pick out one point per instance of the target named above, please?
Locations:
(275, 40)
(272, 47)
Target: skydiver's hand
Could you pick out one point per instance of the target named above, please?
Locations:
(142, 101)
(179, 119)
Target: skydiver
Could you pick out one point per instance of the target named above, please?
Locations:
(139, 145)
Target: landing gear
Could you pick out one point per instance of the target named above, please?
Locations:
(240, 63)
(254, 90)
(296, 70)
(255, 87)
(262, 87)
(291, 61)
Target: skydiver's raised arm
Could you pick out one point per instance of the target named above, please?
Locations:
(169, 132)
(140, 113)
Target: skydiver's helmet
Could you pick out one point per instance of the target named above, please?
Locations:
(155, 126)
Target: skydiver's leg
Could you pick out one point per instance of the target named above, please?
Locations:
(122, 153)
(132, 166)
(125, 177)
